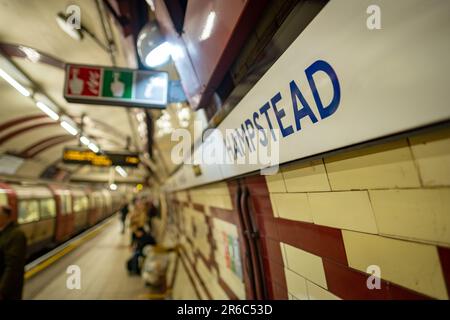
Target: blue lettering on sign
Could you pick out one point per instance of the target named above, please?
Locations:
(301, 109)
(321, 65)
(279, 114)
(300, 113)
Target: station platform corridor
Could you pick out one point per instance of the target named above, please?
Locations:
(102, 261)
(271, 151)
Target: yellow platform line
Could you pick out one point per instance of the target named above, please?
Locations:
(69, 248)
(155, 296)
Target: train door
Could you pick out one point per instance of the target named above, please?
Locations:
(64, 214)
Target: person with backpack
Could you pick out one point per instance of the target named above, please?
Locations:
(140, 239)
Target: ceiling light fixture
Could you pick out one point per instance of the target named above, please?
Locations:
(121, 171)
(69, 128)
(85, 140)
(47, 110)
(24, 91)
(93, 147)
(152, 48)
(113, 186)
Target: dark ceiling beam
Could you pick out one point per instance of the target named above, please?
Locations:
(18, 121)
(21, 131)
(14, 50)
(45, 144)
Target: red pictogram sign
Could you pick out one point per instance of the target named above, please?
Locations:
(84, 81)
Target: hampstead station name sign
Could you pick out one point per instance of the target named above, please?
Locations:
(340, 84)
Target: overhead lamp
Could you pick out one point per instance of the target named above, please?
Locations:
(93, 147)
(113, 186)
(69, 128)
(85, 140)
(47, 110)
(121, 171)
(152, 48)
(24, 91)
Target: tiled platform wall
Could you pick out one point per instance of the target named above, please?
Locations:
(207, 214)
(387, 206)
(323, 222)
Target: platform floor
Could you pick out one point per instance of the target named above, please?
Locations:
(102, 262)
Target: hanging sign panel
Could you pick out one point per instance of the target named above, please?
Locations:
(116, 86)
(106, 159)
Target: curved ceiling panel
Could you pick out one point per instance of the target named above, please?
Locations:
(24, 129)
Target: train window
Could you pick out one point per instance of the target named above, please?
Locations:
(3, 198)
(80, 204)
(48, 209)
(28, 211)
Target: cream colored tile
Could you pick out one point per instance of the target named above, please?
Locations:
(318, 293)
(349, 210)
(283, 254)
(182, 196)
(305, 264)
(273, 203)
(306, 177)
(292, 206)
(296, 285)
(384, 166)
(415, 214)
(275, 183)
(412, 265)
(432, 154)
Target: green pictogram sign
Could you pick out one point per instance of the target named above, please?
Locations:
(117, 84)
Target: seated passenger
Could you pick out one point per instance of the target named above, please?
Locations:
(140, 240)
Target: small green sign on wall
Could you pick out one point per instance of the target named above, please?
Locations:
(117, 84)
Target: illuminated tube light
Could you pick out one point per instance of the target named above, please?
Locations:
(121, 171)
(158, 56)
(24, 91)
(85, 140)
(113, 186)
(73, 131)
(93, 147)
(47, 110)
(208, 26)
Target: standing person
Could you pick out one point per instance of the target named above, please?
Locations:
(13, 244)
(123, 215)
(152, 212)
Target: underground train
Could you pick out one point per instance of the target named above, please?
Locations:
(50, 213)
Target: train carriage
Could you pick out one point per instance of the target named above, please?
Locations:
(34, 207)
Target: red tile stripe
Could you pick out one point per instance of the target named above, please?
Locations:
(322, 241)
(227, 290)
(348, 283)
(191, 279)
(202, 283)
(444, 256)
(226, 215)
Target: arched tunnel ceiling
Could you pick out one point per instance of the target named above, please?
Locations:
(24, 129)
